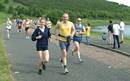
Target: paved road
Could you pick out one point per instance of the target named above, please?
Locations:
(23, 62)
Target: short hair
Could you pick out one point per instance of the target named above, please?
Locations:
(66, 14)
(42, 18)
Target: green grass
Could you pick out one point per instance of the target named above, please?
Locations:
(127, 40)
(101, 22)
(5, 74)
(95, 34)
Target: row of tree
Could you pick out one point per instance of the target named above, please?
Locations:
(76, 8)
(55, 14)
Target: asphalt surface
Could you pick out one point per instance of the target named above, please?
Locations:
(23, 60)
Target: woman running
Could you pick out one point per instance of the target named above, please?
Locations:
(41, 34)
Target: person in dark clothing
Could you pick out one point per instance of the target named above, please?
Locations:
(41, 35)
(110, 31)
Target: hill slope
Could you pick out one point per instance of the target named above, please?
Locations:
(82, 8)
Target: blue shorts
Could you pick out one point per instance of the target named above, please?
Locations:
(78, 39)
(64, 45)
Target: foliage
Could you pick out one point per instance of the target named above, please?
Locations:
(2, 7)
(95, 9)
(84, 8)
(6, 1)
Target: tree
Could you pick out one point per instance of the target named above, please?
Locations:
(6, 1)
(2, 7)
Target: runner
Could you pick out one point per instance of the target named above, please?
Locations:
(41, 35)
(8, 27)
(27, 25)
(64, 32)
(79, 31)
(19, 25)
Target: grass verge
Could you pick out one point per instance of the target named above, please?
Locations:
(5, 73)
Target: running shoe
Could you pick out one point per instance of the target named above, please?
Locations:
(43, 66)
(66, 71)
(39, 71)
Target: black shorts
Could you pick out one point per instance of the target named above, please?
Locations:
(26, 29)
(19, 27)
(42, 48)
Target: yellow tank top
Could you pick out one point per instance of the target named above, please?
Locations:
(65, 30)
(88, 31)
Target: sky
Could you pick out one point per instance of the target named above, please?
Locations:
(125, 2)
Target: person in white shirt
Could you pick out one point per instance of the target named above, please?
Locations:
(122, 25)
(116, 32)
(8, 27)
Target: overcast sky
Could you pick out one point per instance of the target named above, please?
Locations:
(125, 2)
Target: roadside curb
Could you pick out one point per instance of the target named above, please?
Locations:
(114, 50)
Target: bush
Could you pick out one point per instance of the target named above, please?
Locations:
(2, 7)
(6, 1)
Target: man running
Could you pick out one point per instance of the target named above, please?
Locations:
(65, 31)
(79, 31)
(8, 27)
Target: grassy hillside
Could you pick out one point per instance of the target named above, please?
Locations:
(90, 9)
(83, 8)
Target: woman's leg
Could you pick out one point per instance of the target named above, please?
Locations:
(46, 56)
(40, 61)
(46, 59)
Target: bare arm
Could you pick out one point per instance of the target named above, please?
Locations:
(83, 31)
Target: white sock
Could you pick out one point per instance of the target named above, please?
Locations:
(78, 53)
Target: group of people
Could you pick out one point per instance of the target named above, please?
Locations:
(26, 25)
(115, 30)
(18, 24)
(65, 31)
